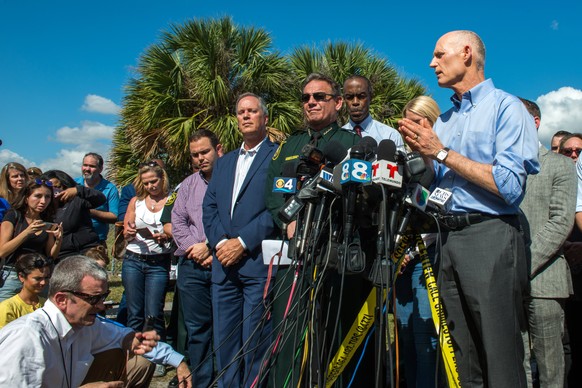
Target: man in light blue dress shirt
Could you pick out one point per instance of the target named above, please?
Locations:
(358, 95)
(484, 148)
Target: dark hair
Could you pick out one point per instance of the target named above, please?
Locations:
(199, 134)
(568, 137)
(28, 262)
(532, 108)
(96, 156)
(561, 134)
(21, 205)
(98, 253)
(62, 176)
(335, 87)
(361, 78)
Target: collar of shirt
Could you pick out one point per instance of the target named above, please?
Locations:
(325, 130)
(60, 323)
(474, 96)
(364, 124)
(203, 178)
(253, 150)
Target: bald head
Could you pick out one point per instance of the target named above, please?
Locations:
(462, 38)
(458, 61)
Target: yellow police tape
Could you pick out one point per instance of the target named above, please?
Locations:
(438, 317)
(365, 320)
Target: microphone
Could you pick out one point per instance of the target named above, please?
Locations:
(370, 147)
(385, 170)
(441, 199)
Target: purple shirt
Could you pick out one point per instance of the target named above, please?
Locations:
(187, 225)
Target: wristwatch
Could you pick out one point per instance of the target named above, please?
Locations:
(442, 155)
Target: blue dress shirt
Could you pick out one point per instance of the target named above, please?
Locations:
(492, 127)
(377, 130)
(112, 204)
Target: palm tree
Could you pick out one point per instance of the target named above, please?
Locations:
(192, 77)
(191, 80)
(340, 60)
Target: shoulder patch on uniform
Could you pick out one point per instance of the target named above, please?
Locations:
(171, 198)
(291, 157)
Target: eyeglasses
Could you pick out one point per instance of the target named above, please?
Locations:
(43, 182)
(151, 163)
(318, 96)
(570, 151)
(91, 299)
(360, 96)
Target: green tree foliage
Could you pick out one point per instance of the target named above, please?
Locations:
(192, 77)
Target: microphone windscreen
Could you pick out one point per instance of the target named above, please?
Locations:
(357, 152)
(289, 169)
(387, 150)
(334, 152)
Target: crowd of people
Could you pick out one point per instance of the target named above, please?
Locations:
(508, 260)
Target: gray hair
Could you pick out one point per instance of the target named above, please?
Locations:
(466, 37)
(262, 103)
(69, 273)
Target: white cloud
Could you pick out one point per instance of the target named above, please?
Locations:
(7, 156)
(561, 110)
(88, 132)
(554, 26)
(98, 104)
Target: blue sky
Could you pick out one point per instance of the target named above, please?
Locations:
(64, 64)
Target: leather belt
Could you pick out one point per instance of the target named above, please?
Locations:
(150, 258)
(460, 221)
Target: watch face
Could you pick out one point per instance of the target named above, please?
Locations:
(442, 154)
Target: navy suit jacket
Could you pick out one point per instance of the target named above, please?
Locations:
(250, 219)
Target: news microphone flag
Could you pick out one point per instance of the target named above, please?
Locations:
(355, 171)
(418, 197)
(387, 173)
(441, 199)
(284, 185)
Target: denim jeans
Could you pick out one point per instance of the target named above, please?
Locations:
(12, 285)
(418, 339)
(145, 284)
(194, 286)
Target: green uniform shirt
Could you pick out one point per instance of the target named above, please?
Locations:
(290, 149)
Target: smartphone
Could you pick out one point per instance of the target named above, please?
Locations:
(49, 226)
(145, 233)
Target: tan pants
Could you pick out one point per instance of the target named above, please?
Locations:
(113, 365)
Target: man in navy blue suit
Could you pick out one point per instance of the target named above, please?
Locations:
(236, 222)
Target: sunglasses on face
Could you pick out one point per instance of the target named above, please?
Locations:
(91, 299)
(570, 151)
(43, 182)
(360, 96)
(151, 163)
(318, 96)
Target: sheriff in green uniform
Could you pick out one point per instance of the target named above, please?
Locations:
(322, 101)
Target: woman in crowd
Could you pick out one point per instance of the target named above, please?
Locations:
(418, 340)
(73, 210)
(33, 173)
(12, 179)
(34, 272)
(147, 259)
(27, 227)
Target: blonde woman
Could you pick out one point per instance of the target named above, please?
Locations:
(12, 179)
(146, 265)
(416, 330)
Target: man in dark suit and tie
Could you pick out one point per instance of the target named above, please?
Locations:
(236, 222)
